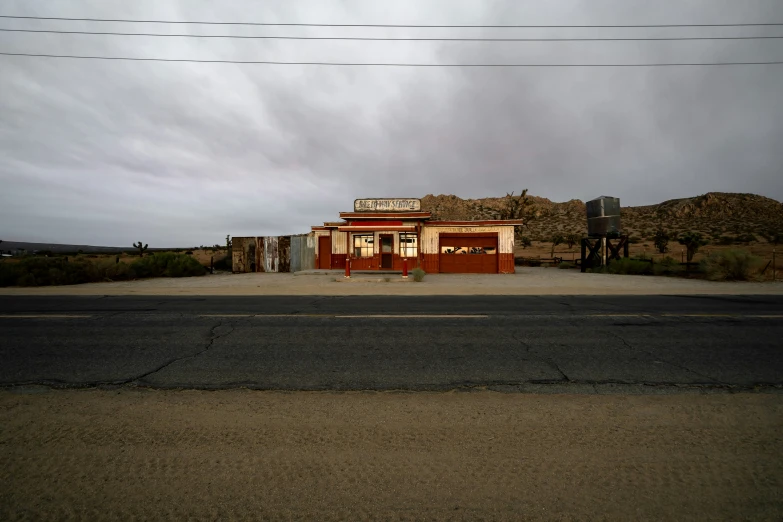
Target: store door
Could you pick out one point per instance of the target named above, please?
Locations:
(387, 251)
(325, 252)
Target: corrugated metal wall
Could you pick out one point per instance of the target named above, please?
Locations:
(430, 237)
(303, 252)
(273, 253)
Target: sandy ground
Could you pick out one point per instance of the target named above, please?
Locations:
(527, 281)
(240, 455)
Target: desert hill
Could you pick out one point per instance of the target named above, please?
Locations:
(719, 216)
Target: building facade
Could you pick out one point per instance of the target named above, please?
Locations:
(380, 233)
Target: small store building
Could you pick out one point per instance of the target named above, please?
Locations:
(380, 233)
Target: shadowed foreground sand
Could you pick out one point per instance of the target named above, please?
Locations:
(241, 455)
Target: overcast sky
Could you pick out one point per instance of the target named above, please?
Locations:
(181, 154)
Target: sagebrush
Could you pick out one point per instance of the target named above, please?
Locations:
(46, 271)
(730, 265)
(626, 266)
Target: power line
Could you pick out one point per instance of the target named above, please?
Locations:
(358, 64)
(768, 24)
(363, 38)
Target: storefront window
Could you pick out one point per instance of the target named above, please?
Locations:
(468, 250)
(362, 245)
(409, 245)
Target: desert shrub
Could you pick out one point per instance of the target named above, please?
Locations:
(556, 240)
(9, 273)
(692, 242)
(418, 274)
(524, 261)
(772, 236)
(572, 239)
(564, 266)
(661, 240)
(627, 266)
(167, 264)
(668, 266)
(224, 263)
(734, 265)
(113, 271)
(525, 241)
(634, 240)
(725, 240)
(745, 238)
(36, 271)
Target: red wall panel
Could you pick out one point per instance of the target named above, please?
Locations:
(506, 264)
(430, 263)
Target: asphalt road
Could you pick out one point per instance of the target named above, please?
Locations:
(383, 343)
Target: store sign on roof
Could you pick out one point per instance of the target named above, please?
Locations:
(387, 205)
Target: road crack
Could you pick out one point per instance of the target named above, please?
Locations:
(665, 361)
(212, 338)
(550, 362)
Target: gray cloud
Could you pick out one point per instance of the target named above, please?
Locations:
(182, 154)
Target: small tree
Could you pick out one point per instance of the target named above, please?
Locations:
(772, 236)
(572, 239)
(557, 239)
(661, 239)
(517, 207)
(141, 248)
(692, 242)
(525, 241)
(514, 206)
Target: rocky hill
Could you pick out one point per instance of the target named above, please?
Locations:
(720, 216)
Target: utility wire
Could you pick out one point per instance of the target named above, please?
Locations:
(358, 64)
(383, 25)
(107, 33)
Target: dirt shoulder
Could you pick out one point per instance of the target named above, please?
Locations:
(235, 455)
(527, 281)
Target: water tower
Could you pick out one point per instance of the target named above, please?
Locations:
(604, 233)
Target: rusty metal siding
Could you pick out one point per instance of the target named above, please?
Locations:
(258, 262)
(284, 254)
(430, 237)
(274, 254)
(243, 253)
(270, 259)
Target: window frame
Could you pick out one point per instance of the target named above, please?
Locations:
(366, 250)
(407, 251)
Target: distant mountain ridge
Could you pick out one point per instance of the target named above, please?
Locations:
(715, 214)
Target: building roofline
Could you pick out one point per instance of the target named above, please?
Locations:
(486, 222)
(386, 215)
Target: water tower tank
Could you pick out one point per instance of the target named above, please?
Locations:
(603, 217)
